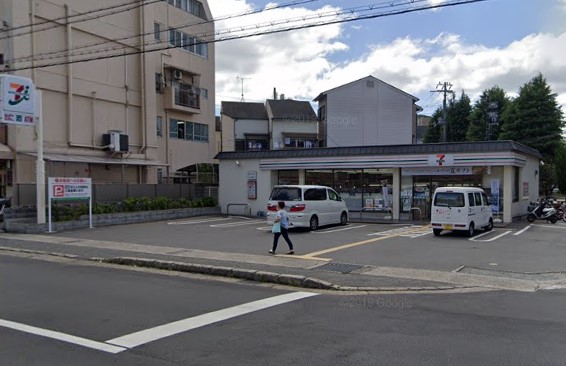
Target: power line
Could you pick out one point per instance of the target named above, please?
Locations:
(267, 32)
(348, 12)
(133, 5)
(233, 16)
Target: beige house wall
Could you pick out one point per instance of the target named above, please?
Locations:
(83, 101)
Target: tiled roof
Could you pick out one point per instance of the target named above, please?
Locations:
(292, 110)
(453, 147)
(244, 110)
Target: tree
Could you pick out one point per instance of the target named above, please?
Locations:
(560, 168)
(535, 119)
(486, 115)
(433, 132)
(458, 118)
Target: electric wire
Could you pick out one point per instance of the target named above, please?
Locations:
(202, 36)
(132, 6)
(66, 52)
(266, 32)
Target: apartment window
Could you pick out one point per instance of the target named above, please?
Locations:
(159, 126)
(173, 132)
(157, 31)
(203, 93)
(188, 43)
(159, 85)
(186, 95)
(189, 131)
(1, 59)
(192, 6)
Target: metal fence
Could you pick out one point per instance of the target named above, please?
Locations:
(25, 194)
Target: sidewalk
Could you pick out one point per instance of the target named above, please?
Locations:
(278, 269)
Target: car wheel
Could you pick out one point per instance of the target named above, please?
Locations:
(471, 230)
(313, 224)
(489, 226)
(343, 218)
(436, 232)
(531, 217)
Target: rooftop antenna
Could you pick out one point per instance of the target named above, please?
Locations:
(241, 79)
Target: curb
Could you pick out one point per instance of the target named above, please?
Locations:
(258, 276)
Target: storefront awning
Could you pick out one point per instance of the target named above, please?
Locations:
(6, 153)
(97, 160)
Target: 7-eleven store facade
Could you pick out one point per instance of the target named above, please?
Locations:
(386, 182)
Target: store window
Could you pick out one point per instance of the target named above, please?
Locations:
(516, 183)
(288, 177)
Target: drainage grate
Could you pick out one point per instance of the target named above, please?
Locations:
(339, 267)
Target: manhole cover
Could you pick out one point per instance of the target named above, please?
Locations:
(339, 267)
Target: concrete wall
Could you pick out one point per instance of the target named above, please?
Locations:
(233, 187)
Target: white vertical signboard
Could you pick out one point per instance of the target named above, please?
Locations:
(70, 189)
(17, 100)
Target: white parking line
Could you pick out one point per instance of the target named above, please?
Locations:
(62, 337)
(153, 334)
(490, 239)
(333, 231)
(231, 224)
(195, 221)
(523, 230)
(552, 226)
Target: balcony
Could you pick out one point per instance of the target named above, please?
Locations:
(182, 97)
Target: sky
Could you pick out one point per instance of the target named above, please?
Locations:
(473, 46)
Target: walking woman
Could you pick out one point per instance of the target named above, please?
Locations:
(283, 221)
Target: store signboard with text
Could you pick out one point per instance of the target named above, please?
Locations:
(17, 100)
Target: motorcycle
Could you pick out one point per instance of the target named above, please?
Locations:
(543, 212)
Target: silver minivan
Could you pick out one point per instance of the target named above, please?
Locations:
(308, 206)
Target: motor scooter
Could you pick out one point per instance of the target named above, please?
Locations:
(542, 212)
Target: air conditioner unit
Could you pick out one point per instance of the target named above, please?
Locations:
(177, 74)
(115, 141)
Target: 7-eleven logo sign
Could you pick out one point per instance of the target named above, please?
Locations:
(441, 160)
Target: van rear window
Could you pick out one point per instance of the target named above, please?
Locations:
(449, 199)
(286, 194)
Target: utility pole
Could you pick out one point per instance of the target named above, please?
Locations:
(444, 88)
(241, 79)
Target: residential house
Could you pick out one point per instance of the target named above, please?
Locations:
(144, 77)
(277, 124)
(367, 112)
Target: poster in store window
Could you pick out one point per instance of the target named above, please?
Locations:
(495, 195)
(252, 189)
(525, 189)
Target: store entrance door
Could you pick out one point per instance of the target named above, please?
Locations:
(424, 187)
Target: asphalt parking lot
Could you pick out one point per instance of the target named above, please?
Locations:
(520, 247)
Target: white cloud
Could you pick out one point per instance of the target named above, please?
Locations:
(304, 63)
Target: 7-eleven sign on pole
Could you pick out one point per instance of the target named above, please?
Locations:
(20, 104)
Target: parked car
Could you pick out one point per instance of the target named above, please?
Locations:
(308, 206)
(460, 208)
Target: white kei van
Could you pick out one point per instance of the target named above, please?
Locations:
(460, 208)
(308, 206)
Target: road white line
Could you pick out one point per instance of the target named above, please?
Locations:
(490, 239)
(195, 221)
(523, 230)
(231, 224)
(62, 337)
(333, 231)
(167, 330)
(264, 228)
(552, 226)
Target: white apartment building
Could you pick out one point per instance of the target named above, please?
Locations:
(146, 76)
(367, 112)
